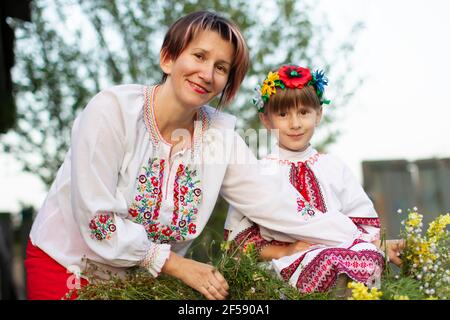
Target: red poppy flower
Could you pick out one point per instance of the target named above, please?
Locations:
(294, 76)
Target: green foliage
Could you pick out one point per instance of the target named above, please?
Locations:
(247, 278)
(73, 49)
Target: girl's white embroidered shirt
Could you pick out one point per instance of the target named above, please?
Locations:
(344, 199)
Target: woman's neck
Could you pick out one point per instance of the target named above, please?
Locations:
(170, 115)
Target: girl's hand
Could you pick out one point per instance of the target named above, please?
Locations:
(394, 249)
(200, 276)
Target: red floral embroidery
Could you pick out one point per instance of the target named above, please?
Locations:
(167, 232)
(186, 198)
(102, 227)
(133, 212)
(192, 228)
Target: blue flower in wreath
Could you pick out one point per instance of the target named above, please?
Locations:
(320, 81)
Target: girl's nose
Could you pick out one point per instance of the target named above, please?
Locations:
(296, 122)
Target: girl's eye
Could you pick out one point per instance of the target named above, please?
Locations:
(283, 114)
(304, 112)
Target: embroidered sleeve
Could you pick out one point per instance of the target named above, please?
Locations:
(99, 208)
(155, 258)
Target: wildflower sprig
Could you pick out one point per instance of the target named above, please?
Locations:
(426, 256)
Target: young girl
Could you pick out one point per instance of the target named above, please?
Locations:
(146, 165)
(290, 101)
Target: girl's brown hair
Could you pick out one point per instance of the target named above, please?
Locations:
(181, 33)
(284, 99)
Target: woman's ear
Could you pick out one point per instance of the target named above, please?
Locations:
(165, 62)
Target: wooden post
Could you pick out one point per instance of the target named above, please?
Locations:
(7, 288)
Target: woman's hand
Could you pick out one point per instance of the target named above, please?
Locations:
(278, 251)
(394, 249)
(200, 276)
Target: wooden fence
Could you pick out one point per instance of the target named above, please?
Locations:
(400, 184)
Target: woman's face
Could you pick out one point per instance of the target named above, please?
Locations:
(201, 71)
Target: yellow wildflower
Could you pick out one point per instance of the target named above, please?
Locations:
(437, 227)
(414, 219)
(361, 292)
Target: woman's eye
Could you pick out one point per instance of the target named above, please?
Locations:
(198, 56)
(222, 68)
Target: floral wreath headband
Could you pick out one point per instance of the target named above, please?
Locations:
(290, 76)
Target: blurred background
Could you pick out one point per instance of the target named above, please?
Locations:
(387, 64)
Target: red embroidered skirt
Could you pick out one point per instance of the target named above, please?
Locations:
(46, 278)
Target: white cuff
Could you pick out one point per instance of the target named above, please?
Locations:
(369, 237)
(155, 258)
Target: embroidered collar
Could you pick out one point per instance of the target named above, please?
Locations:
(200, 125)
(310, 155)
(294, 156)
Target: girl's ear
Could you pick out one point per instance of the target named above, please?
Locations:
(165, 62)
(265, 120)
(319, 116)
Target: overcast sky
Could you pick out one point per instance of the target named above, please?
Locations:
(402, 110)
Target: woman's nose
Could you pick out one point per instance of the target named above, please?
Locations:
(206, 73)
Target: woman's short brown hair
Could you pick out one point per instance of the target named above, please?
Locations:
(284, 99)
(181, 33)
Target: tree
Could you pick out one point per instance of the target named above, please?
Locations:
(73, 49)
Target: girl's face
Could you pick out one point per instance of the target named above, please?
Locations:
(201, 71)
(296, 126)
